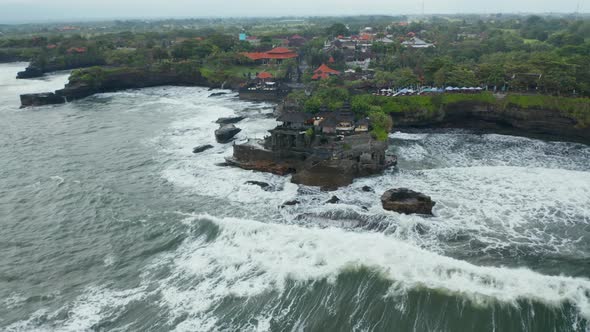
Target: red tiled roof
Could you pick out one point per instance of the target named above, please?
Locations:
(279, 50)
(324, 72)
(331, 60)
(51, 46)
(264, 75)
(297, 37)
(320, 76)
(325, 69)
(279, 53)
(77, 50)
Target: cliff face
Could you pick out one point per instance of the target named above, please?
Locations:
(37, 70)
(114, 80)
(495, 118)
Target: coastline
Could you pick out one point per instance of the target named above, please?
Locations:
(476, 115)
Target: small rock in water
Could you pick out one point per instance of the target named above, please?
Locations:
(226, 133)
(201, 148)
(217, 94)
(406, 201)
(291, 203)
(262, 185)
(368, 189)
(230, 120)
(333, 200)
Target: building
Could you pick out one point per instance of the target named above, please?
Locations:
(296, 120)
(385, 40)
(363, 64)
(362, 126)
(324, 72)
(328, 125)
(277, 54)
(264, 76)
(255, 41)
(416, 42)
(345, 122)
(296, 41)
(77, 50)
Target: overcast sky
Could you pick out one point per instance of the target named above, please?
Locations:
(35, 10)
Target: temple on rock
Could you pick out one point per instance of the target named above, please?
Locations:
(328, 149)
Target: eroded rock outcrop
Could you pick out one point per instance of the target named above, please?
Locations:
(115, 79)
(40, 99)
(407, 201)
(226, 133)
(497, 118)
(30, 72)
(327, 165)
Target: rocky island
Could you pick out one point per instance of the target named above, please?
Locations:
(327, 149)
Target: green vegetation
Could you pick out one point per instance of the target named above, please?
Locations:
(537, 61)
(578, 108)
(331, 98)
(378, 108)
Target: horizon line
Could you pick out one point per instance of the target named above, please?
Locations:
(164, 18)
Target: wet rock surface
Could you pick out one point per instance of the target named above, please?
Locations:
(261, 184)
(226, 133)
(406, 201)
(230, 120)
(30, 72)
(40, 99)
(333, 200)
(368, 189)
(201, 148)
(291, 203)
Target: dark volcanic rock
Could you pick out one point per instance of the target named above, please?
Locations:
(201, 148)
(30, 72)
(122, 79)
(262, 185)
(368, 189)
(498, 118)
(406, 201)
(217, 94)
(226, 133)
(230, 120)
(39, 99)
(333, 200)
(291, 203)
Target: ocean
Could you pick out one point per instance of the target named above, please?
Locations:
(109, 222)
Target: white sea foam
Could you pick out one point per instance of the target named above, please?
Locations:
(250, 258)
(94, 305)
(501, 191)
(200, 172)
(480, 183)
(408, 136)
